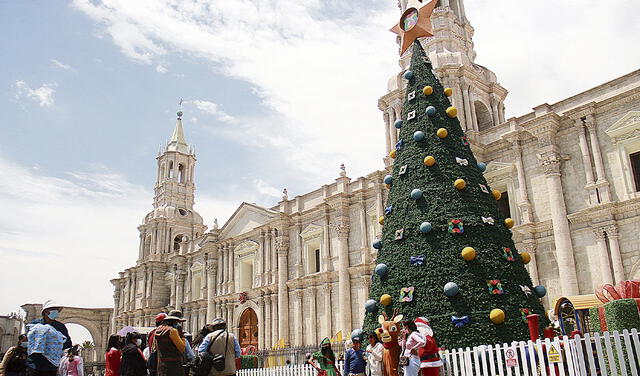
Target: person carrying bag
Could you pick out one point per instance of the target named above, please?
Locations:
(217, 352)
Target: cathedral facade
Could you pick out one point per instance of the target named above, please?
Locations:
(569, 173)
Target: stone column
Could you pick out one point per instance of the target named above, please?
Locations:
(141, 247)
(344, 280)
(526, 214)
(603, 185)
(299, 265)
(379, 209)
(603, 255)
(267, 322)
(467, 107)
(232, 277)
(387, 132)
(274, 255)
(616, 257)
(326, 243)
(299, 318)
(474, 116)
(458, 102)
(211, 288)
(365, 244)
(172, 299)
(328, 319)
(282, 247)
(550, 160)
(267, 256)
(263, 260)
(277, 320)
(494, 111)
(261, 324)
(584, 149)
(313, 305)
(532, 267)
(189, 293)
(230, 318)
(179, 289)
(393, 135)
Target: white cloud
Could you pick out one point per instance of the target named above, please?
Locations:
(43, 95)
(264, 188)
(213, 109)
(161, 69)
(60, 64)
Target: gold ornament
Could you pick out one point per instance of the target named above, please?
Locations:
(508, 222)
(448, 91)
(526, 257)
(429, 161)
(388, 186)
(427, 90)
(392, 154)
(460, 184)
(496, 194)
(452, 112)
(385, 299)
(497, 316)
(468, 253)
(381, 219)
(442, 133)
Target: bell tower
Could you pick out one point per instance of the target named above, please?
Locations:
(168, 229)
(476, 91)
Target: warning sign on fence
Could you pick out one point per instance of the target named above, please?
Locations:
(553, 353)
(510, 357)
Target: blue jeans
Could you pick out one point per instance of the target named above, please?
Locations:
(413, 368)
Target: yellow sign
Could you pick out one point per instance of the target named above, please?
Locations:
(553, 354)
(339, 336)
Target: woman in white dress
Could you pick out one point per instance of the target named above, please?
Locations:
(374, 355)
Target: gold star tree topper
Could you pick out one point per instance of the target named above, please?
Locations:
(414, 23)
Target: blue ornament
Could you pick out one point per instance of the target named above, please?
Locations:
(416, 194)
(425, 227)
(482, 166)
(388, 210)
(408, 75)
(377, 244)
(381, 270)
(451, 289)
(418, 135)
(388, 179)
(540, 291)
(371, 306)
(398, 124)
(399, 145)
(431, 111)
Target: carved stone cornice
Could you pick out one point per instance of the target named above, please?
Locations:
(551, 162)
(599, 233)
(282, 244)
(341, 229)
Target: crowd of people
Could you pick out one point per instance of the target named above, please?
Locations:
(167, 350)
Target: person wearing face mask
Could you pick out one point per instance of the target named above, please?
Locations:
(47, 340)
(133, 363)
(15, 359)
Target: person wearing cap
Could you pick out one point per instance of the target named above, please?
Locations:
(220, 341)
(354, 364)
(170, 345)
(47, 339)
(325, 358)
(149, 353)
(188, 350)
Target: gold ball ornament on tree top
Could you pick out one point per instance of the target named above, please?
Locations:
(509, 222)
(429, 161)
(427, 90)
(385, 299)
(497, 316)
(392, 154)
(460, 184)
(468, 253)
(448, 91)
(526, 257)
(452, 112)
(496, 194)
(442, 133)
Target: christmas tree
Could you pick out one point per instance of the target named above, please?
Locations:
(446, 252)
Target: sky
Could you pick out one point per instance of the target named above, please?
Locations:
(277, 93)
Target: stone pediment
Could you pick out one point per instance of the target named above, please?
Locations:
(246, 218)
(626, 127)
(311, 231)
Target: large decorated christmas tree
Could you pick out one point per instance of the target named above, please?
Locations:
(446, 252)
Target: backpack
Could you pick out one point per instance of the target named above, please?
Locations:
(205, 361)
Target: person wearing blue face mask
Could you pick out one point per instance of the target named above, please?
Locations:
(13, 363)
(45, 345)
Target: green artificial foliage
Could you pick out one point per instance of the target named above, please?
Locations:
(441, 249)
(622, 314)
(248, 361)
(594, 320)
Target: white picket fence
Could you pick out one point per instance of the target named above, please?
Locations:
(613, 354)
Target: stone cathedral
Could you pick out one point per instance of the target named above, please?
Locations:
(569, 173)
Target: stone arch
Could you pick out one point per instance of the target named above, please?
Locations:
(248, 328)
(239, 309)
(95, 320)
(483, 115)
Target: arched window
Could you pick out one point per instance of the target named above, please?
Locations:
(181, 173)
(176, 243)
(170, 172)
(483, 115)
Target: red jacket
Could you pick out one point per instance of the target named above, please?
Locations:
(112, 362)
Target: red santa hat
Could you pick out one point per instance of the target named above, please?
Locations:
(423, 326)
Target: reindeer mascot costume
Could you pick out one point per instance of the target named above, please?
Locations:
(388, 333)
(430, 361)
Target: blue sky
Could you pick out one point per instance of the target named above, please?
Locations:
(277, 94)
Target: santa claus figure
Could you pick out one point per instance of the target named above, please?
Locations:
(430, 361)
